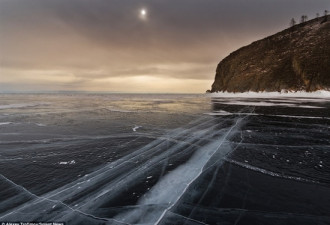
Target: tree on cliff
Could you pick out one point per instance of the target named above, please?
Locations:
(325, 16)
(292, 22)
(303, 18)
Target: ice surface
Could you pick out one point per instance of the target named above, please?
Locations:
(127, 172)
(169, 189)
(197, 160)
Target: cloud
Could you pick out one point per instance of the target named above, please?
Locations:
(88, 41)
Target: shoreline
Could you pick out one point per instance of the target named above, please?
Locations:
(283, 93)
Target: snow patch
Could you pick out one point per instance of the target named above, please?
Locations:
(67, 163)
(135, 128)
(283, 93)
(5, 123)
(268, 104)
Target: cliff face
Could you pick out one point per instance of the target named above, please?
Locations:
(297, 58)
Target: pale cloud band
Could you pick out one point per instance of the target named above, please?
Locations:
(105, 45)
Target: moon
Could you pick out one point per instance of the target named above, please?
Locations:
(143, 12)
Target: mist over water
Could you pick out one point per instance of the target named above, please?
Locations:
(164, 159)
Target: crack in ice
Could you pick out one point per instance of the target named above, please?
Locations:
(53, 201)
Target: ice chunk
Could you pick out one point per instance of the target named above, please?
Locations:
(68, 162)
(135, 128)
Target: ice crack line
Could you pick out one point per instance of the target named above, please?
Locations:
(53, 201)
(47, 198)
(214, 175)
(199, 173)
(270, 173)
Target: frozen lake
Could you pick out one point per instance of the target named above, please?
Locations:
(164, 159)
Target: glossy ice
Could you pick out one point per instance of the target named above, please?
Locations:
(164, 159)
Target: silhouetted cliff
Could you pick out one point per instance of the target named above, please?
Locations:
(297, 58)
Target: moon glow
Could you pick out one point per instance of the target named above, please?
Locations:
(143, 14)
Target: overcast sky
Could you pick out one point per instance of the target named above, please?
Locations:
(108, 45)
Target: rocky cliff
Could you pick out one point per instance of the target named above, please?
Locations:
(294, 59)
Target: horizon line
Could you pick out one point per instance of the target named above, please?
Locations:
(93, 92)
